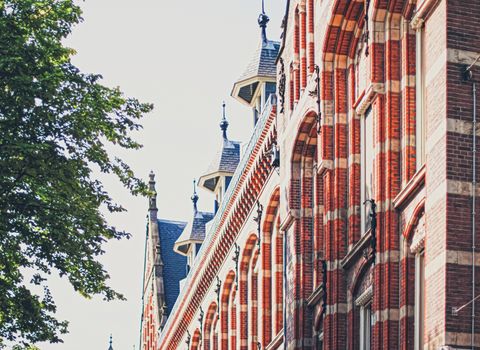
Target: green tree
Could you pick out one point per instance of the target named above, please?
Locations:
(55, 122)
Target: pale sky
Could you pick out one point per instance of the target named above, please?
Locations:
(184, 57)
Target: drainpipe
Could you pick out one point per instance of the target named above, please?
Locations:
(468, 76)
(284, 290)
(474, 195)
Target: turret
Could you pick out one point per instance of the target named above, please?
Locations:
(110, 342)
(220, 172)
(258, 81)
(191, 239)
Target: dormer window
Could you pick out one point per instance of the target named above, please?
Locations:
(258, 81)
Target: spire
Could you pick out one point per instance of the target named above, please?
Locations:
(224, 123)
(151, 188)
(194, 196)
(111, 341)
(262, 22)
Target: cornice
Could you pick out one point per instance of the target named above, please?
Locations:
(229, 218)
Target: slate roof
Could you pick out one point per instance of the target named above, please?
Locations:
(195, 229)
(227, 158)
(174, 268)
(262, 63)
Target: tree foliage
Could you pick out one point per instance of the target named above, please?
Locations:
(55, 122)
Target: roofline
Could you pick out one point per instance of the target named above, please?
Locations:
(172, 221)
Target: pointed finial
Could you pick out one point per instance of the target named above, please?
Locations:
(151, 188)
(262, 22)
(224, 122)
(195, 196)
(151, 183)
(111, 342)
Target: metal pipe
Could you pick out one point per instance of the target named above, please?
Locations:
(284, 289)
(474, 185)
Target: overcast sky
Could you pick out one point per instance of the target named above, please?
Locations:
(184, 57)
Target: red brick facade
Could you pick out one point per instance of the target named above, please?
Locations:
(392, 129)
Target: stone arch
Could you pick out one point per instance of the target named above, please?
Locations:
(196, 340)
(207, 329)
(302, 203)
(413, 242)
(225, 316)
(215, 333)
(233, 321)
(362, 282)
(413, 222)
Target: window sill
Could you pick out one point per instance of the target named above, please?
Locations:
(412, 188)
(357, 250)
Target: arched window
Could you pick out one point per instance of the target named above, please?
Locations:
(207, 329)
(364, 317)
(300, 241)
(417, 249)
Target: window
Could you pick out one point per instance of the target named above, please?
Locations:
(319, 339)
(366, 319)
(419, 299)
(361, 68)
(420, 97)
(367, 160)
(365, 326)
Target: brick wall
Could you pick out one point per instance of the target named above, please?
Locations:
(365, 62)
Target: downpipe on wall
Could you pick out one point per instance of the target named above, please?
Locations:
(468, 76)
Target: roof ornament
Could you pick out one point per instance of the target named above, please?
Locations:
(224, 123)
(262, 22)
(195, 196)
(111, 341)
(151, 188)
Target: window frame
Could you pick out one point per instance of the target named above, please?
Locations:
(366, 320)
(420, 128)
(365, 211)
(419, 311)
